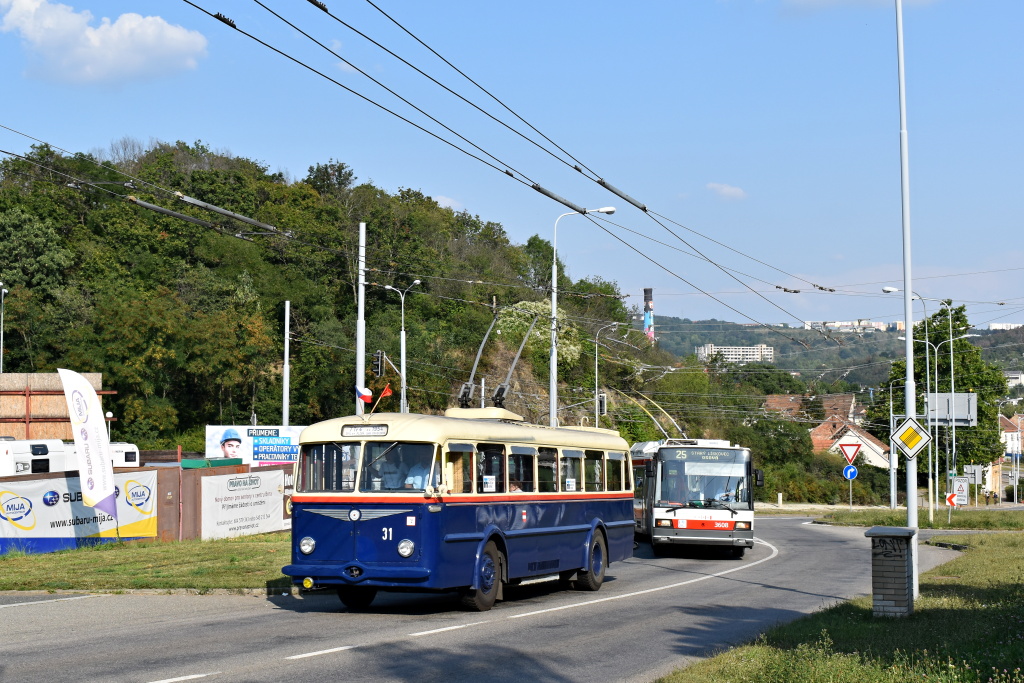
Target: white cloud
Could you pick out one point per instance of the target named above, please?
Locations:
(448, 203)
(67, 48)
(726, 191)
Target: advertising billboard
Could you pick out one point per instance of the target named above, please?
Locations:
(256, 446)
(46, 515)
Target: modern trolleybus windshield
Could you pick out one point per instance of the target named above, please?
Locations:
(706, 482)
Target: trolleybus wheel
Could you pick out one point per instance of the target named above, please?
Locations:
(737, 552)
(592, 580)
(356, 597)
(660, 549)
(482, 599)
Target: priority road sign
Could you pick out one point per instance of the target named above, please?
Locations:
(850, 472)
(911, 437)
(850, 451)
(962, 490)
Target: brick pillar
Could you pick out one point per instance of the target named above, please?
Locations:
(892, 570)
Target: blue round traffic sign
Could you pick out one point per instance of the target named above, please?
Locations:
(850, 472)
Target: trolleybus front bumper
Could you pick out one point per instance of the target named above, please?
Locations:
(354, 573)
(697, 537)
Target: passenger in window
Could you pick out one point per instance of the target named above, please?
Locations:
(417, 476)
(514, 486)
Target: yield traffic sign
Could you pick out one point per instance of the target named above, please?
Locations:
(911, 437)
(850, 451)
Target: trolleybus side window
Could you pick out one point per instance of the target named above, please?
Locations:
(490, 468)
(547, 479)
(459, 468)
(520, 468)
(329, 467)
(640, 481)
(594, 469)
(571, 470)
(615, 464)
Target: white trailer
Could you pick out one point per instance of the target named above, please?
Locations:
(39, 456)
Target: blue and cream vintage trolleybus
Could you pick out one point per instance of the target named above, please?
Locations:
(695, 492)
(466, 502)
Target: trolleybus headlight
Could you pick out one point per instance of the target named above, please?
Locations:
(406, 547)
(742, 525)
(308, 583)
(306, 545)
(663, 522)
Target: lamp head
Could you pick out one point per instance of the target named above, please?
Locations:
(388, 287)
(607, 209)
(889, 290)
(415, 282)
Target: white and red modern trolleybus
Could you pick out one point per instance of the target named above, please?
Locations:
(466, 502)
(696, 492)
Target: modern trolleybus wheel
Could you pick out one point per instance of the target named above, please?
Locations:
(736, 552)
(482, 599)
(356, 598)
(592, 580)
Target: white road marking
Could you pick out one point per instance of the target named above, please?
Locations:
(187, 678)
(447, 628)
(43, 602)
(322, 652)
(775, 551)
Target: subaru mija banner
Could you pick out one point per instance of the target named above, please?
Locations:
(91, 442)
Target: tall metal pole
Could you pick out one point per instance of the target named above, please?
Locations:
(553, 359)
(596, 387)
(911, 394)
(286, 375)
(401, 294)
(893, 456)
(361, 320)
(3, 299)
(952, 388)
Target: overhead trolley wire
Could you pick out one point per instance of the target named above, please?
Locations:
(231, 24)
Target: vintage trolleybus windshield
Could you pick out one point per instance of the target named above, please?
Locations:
(704, 477)
(386, 467)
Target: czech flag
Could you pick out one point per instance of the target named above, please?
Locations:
(365, 395)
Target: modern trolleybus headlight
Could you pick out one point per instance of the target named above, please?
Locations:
(742, 525)
(307, 545)
(663, 523)
(406, 547)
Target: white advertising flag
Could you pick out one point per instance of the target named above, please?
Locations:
(91, 443)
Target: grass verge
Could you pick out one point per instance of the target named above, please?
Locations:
(967, 626)
(1010, 520)
(231, 563)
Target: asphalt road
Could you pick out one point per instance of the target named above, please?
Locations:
(651, 615)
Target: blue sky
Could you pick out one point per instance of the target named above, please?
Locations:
(770, 125)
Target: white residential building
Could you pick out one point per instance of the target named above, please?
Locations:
(762, 353)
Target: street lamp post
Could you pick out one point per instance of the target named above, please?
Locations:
(928, 390)
(596, 389)
(404, 408)
(3, 297)
(553, 369)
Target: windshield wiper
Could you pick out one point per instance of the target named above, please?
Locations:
(688, 504)
(718, 503)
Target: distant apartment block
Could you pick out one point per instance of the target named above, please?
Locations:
(861, 325)
(1004, 326)
(1014, 378)
(762, 353)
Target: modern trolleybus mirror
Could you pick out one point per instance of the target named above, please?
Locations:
(695, 492)
(467, 502)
